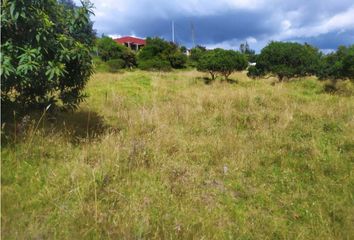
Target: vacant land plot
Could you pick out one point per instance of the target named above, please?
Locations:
(171, 156)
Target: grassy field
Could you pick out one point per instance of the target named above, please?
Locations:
(170, 156)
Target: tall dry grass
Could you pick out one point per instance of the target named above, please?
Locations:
(167, 156)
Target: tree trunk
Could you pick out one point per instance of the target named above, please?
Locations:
(212, 75)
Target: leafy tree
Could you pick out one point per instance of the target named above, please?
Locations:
(114, 65)
(46, 48)
(108, 49)
(245, 49)
(250, 53)
(175, 56)
(220, 61)
(196, 54)
(129, 58)
(338, 65)
(177, 59)
(155, 63)
(286, 60)
(183, 49)
(159, 54)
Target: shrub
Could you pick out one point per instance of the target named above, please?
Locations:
(220, 61)
(45, 51)
(160, 55)
(254, 72)
(108, 49)
(196, 54)
(286, 60)
(115, 65)
(155, 64)
(129, 58)
(338, 65)
(177, 59)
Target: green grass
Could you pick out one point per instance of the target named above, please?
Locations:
(166, 156)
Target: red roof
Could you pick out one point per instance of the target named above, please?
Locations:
(138, 41)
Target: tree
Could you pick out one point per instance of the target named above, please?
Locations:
(175, 56)
(196, 54)
(220, 61)
(245, 49)
(286, 60)
(108, 50)
(338, 65)
(46, 48)
(250, 53)
(159, 54)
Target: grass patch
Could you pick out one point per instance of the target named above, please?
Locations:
(166, 156)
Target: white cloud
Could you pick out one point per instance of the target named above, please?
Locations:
(339, 22)
(235, 44)
(285, 24)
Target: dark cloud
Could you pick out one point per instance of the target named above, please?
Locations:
(326, 24)
(330, 40)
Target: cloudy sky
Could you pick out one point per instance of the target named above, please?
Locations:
(226, 23)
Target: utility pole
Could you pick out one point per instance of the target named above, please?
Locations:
(173, 31)
(193, 34)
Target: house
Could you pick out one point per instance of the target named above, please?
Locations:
(131, 42)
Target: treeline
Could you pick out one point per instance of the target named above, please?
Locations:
(158, 54)
(284, 60)
(287, 60)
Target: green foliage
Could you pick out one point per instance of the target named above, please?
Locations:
(155, 64)
(287, 60)
(245, 49)
(250, 53)
(114, 65)
(99, 65)
(254, 72)
(108, 50)
(177, 59)
(338, 65)
(196, 54)
(45, 53)
(183, 49)
(159, 54)
(129, 58)
(222, 61)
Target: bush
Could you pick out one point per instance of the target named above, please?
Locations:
(160, 55)
(115, 65)
(177, 59)
(129, 58)
(254, 72)
(45, 52)
(196, 54)
(155, 64)
(338, 65)
(220, 61)
(108, 49)
(286, 60)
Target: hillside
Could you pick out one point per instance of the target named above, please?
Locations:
(173, 156)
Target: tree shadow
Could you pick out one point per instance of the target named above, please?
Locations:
(206, 80)
(73, 125)
(232, 81)
(81, 124)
